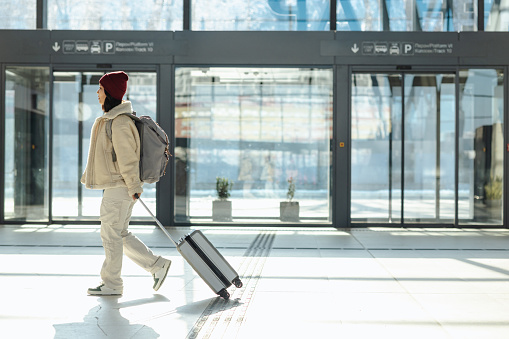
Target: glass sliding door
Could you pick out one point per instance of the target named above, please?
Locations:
(481, 146)
(429, 148)
(402, 157)
(376, 147)
(258, 127)
(26, 175)
(75, 108)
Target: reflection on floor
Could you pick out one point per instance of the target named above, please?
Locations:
(298, 283)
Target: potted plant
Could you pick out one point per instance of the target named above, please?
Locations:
(493, 192)
(222, 207)
(289, 210)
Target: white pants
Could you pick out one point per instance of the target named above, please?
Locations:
(116, 209)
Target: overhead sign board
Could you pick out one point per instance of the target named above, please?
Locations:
(102, 47)
(136, 46)
(377, 44)
(397, 48)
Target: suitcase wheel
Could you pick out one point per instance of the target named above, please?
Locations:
(237, 282)
(224, 294)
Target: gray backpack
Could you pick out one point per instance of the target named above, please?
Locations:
(154, 147)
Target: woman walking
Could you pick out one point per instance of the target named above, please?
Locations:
(119, 179)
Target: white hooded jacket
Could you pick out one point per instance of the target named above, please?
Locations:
(101, 172)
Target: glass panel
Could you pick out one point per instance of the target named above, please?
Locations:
(376, 163)
(75, 108)
(496, 16)
(26, 143)
(265, 15)
(439, 16)
(406, 15)
(376, 148)
(257, 127)
(429, 148)
(481, 146)
(359, 15)
(140, 15)
(18, 14)
(401, 15)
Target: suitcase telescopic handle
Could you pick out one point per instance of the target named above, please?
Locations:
(157, 221)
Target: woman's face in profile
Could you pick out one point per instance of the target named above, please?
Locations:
(101, 96)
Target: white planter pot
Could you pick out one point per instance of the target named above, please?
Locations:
(494, 203)
(289, 211)
(221, 210)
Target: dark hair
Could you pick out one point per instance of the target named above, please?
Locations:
(110, 102)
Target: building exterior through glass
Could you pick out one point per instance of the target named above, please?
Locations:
(292, 112)
(266, 15)
(260, 128)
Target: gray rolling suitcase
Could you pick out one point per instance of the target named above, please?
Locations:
(205, 259)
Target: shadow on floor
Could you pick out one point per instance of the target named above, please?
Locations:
(105, 320)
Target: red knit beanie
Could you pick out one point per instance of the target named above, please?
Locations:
(115, 83)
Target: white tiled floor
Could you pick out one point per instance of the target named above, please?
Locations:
(308, 283)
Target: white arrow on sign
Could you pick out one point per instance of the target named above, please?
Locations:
(56, 47)
(355, 49)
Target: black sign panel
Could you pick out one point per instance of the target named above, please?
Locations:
(390, 47)
(260, 48)
(109, 46)
(24, 46)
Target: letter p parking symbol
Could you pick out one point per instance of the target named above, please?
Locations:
(109, 47)
(408, 48)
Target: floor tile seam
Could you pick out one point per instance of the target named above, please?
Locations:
(52, 246)
(485, 266)
(410, 294)
(290, 248)
(414, 323)
(81, 275)
(403, 288)
(455, 274)
(387, 279)
(100, 246)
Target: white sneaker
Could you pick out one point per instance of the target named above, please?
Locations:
(160, 275)
(103, 290)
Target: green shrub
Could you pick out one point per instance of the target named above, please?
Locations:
(223, 187)
(494, 189)
(291, 189)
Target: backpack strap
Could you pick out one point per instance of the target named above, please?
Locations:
(109, 133)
